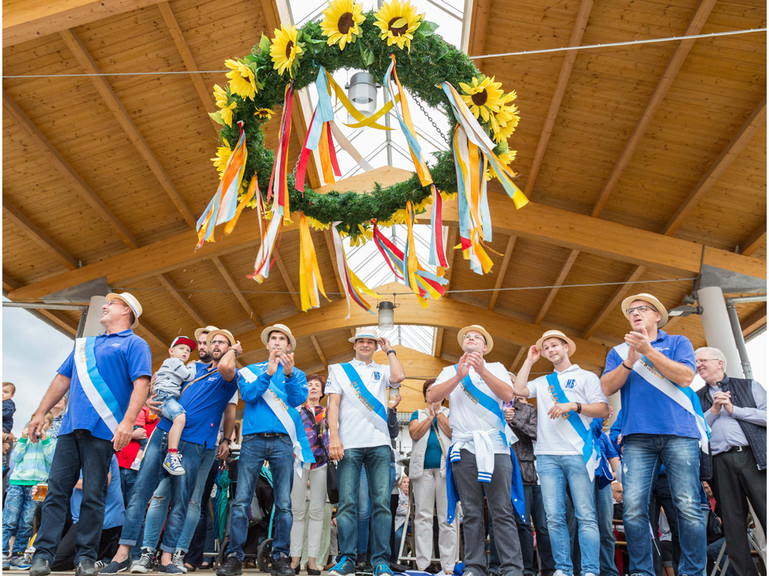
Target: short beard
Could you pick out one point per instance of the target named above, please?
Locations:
(213, 354)
(204, 356)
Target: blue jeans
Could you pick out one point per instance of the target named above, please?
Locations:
(170, 407)
(75, 451)
(279, 452)
(604, 509)
(18, 516)
(158, 508)
(642, 456)
(150, 474)
(554, 473)
(364, 514)
(127, 483)
(377, 462)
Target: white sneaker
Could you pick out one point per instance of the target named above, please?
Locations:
(178, 560)
(144, 563)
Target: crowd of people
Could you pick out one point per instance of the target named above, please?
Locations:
(134, 456)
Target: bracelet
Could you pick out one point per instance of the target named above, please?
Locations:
(236, 352)
(226, 440)
(391, 351)
(627, 367)
(579, 408)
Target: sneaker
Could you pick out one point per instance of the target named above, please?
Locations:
(6, 563)
(99, 564)
(144, 563)
(86, 567)
(116, 567)
(344, 567)
(173, 463)
(281, 566)
(383, 570)
(20, 562)
(178, 560)
(40, 566)
(232, 566)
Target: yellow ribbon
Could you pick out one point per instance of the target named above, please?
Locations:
(310, 280)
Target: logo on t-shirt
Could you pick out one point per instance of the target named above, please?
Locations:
(570, 383)
(115, 345)
(377, 375)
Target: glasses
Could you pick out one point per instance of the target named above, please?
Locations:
(640, 309)
(707, 360)
(220, 342)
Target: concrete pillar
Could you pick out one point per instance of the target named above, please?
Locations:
(718, 329)
(89, 323)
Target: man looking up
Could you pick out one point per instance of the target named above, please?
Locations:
(272, 429)
(108, 378)
(662, 423)
(205, 400)
(480, 456)
(567, 401)
(358, 435)
(735, 409)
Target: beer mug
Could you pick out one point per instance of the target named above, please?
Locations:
(41, 492)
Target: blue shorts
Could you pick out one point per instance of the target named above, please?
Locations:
(170, 407)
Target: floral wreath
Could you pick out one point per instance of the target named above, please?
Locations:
(346, 37)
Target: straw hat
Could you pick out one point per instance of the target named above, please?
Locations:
(226, 333)
(206, 330)
(369, 333)
(129, 300)
(557, 334)
(283, 329)
(479, 329)
(651, 300)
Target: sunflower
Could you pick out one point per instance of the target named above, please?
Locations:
(483, 96)
(263, 113)
(507, 157)
(222, 102)
(223, 154)
(242, 79)
(341, 22)
(398, 21)
(505, 121)
(284, 49)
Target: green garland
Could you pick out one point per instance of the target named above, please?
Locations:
(429, 62)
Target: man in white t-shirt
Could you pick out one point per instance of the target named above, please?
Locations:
(480, 456)
(358, 435)
(567, 401)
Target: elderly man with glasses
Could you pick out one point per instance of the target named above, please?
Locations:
(662, 423)
(735, 409)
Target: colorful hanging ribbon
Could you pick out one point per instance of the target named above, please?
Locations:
(407, 126)
(437, 249)
(405, 265)
(279, 175)
(223, 206)
(270, 236)
(352, 284)
(310, 281)
(362, 121)
(319, 135)
(253, 190)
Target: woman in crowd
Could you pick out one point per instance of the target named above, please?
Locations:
(314, 418)
(429, 429)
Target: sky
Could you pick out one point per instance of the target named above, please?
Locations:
(33, 351)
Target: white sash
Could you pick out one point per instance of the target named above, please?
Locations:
(352, 394)
(96, 389)
(281, 411)
(646, 370)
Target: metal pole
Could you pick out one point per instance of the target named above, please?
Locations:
(738, 338)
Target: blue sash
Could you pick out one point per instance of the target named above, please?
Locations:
(364, 394)
(480, 397)
(590, 445)
(96, 389)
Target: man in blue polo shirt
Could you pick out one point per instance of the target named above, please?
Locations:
(204, 400)
(108, 378)
(662, 423)
(270, 390)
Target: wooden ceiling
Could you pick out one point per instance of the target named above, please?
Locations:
(642, 162)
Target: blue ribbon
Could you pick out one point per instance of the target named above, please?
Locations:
(96, 379)
(365, 394)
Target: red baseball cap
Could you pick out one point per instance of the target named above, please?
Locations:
(184, 340)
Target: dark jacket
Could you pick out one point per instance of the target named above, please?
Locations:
(524, 424)
(742, 396)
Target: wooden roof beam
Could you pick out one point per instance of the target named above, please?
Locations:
(537, 222)
(84, 191)
(479, 21)
(613, 302)
(24, 20)
(189, 61)
(236, 291)
(181, 300)
(754, 322)
(121, 115)
(319, 351)
(753, 241)
(502, 270)
(742, 138)
(553, 292)
(287, 281)
(53, 317)
(560, 89)
(695, 26)
(37, 235)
